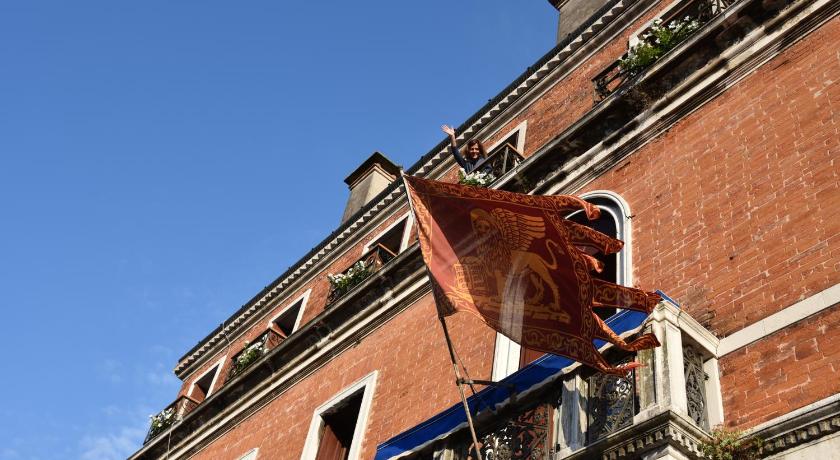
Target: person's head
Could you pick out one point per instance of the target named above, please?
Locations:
(475, 150)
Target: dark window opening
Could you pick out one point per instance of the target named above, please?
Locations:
(339, 425)
(201, 388)
(392, 239)
(512, 140)
(285, 323)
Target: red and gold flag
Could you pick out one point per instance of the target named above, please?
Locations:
(517, 263)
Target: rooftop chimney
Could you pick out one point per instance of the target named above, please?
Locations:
(367, 181)
(573, 13)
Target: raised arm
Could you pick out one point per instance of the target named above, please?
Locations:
(451, 132)
(453, 146)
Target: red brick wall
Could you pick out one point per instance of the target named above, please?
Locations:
(735, 206)
(789, 369)
(414, 371)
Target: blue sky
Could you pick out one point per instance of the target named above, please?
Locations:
(163, 161)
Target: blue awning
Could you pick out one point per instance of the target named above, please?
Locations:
(531, 377)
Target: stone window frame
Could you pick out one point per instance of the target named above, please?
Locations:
(303, 299)
(217, 368)
(408, 218)
(367, 385)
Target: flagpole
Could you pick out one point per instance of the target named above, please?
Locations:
(459, 383)
(458, 380)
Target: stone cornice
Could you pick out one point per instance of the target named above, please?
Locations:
(429, 166)
(666, 429)
(803, 426)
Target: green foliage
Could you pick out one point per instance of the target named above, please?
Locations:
(475, 178)
(161, 421)
(248, 356)
(656, 42)
(343, 282)
(731, 445)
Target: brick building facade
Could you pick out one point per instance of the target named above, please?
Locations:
(717, 164)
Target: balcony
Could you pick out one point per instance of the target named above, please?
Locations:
(370, 262)
(169, 416)
(254, 351)
(501, 160)
(632, 64)
(577, 413)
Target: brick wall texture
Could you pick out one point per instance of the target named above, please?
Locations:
(735, 215)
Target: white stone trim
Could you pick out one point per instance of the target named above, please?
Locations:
(313, 438)
(505, 357)
(625, 232)
(520, 139)
(780, 320)
(251, 454)
(408, 218)
(303, 299)
(217, 367)
(714, 396)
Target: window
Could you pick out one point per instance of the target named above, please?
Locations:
(288, 320)
(338, 425)
(394, 238)
(204, 385)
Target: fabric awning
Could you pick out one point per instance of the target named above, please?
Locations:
(539, 373)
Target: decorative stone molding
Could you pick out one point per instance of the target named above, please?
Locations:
(803, 426)
(666, 429)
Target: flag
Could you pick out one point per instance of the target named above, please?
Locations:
(517, 263)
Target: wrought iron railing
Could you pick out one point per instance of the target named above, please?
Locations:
(370, 263)
(611, 403)
(614, 76)
(178, 409)
(258, 348)
(501, 160)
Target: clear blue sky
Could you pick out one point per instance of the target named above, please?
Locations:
(162, 161)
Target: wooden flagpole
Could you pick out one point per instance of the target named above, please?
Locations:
(459, 382)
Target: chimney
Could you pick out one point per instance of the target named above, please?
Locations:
(369, 180)
(573, 13)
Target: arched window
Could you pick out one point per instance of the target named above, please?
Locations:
(615, 222)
